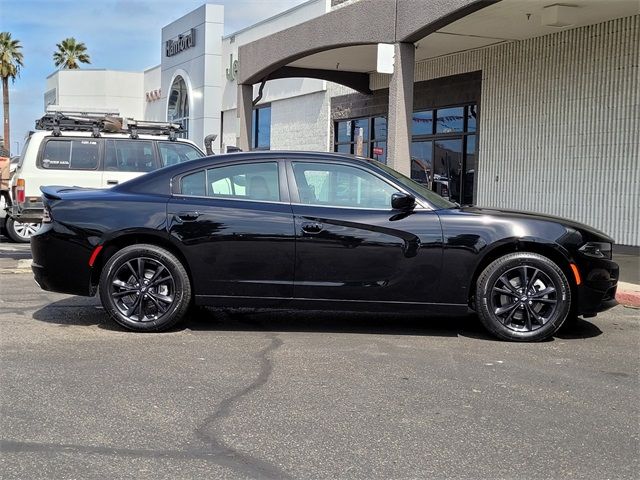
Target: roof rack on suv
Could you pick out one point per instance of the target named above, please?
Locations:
(104, 122)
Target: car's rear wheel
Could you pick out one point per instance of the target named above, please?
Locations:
(20, 232)
(145, 288)
(523, 296)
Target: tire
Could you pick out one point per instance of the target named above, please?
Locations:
(20, 232)
(157, 303)
(527, 315)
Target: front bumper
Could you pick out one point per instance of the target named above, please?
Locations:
(597, 291)
(59, 264)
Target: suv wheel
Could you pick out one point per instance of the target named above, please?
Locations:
(523, 297)
(20, 232)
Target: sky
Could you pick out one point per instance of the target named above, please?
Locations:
(119, 35)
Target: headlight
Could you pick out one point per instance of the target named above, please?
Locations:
(597, 249)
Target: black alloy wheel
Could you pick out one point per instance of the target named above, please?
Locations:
(145, 288)
(523, 296)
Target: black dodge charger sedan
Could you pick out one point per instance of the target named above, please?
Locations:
(315, 231)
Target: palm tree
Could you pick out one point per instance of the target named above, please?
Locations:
(70, 53)
(10, 64)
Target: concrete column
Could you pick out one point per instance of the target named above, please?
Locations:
(401, 109)
(244, 111)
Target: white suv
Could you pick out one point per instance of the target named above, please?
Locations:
(81, 151)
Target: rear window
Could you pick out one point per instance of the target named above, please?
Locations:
(70, 154)
(176, 152)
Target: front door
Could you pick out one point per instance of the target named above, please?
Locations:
(351, 246)
(235, 227)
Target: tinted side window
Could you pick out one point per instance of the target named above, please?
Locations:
(253, 181)
(194, 184)
(71, 154)
(129, 156)
(341, 186)
(176, 152)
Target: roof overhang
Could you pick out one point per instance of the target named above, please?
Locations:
(341, 45)
(362, 23)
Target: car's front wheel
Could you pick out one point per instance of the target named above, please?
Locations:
(523, 296)
(20, 232)
(145, 288)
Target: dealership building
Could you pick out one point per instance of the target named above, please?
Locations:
(518, 104)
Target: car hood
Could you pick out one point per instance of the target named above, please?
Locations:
(517, 214)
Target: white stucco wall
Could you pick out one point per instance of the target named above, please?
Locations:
(559, 123)
(301, 123)
(154, 109)
(274, 89)
(230, 129)
(199, 66)
(99, 90)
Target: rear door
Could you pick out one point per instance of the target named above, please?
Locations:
(235, 227)
(125, 159)
(352, 246)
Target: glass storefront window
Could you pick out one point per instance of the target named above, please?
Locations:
(443, 157)
(469, 170)
(448, 168)
(362, 123)
(422, 123)
(343, 131)
(178, 108)
(379, 151)
(374, 137)
(379, 128)
(450, 120)
(422, 162)
(472, 118)
(261, 128)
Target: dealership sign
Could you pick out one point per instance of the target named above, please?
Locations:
(180, 44)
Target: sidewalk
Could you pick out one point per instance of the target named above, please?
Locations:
(628, 258)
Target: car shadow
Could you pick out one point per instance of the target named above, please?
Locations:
(83, 311)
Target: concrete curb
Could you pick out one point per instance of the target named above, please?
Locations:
(628, 294)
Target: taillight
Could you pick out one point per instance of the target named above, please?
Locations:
(46, 215)
(20, 190)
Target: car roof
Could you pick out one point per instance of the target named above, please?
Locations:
(278, 154)
(151, 180)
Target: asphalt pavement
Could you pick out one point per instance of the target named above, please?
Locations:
(279, 394)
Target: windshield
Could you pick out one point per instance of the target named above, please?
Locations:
(432, 197)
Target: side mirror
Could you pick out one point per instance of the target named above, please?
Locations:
(402, 201)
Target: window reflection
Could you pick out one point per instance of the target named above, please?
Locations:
(422, 123)
(370, 132)
(422, 162)
(450, 120)
(178, 107)
(261, 128)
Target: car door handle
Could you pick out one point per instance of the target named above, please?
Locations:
(112, 182)
(188, 216)
(312, 227)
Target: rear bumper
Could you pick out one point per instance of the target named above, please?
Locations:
(597, 292)
(24, 214)
(60, 265)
